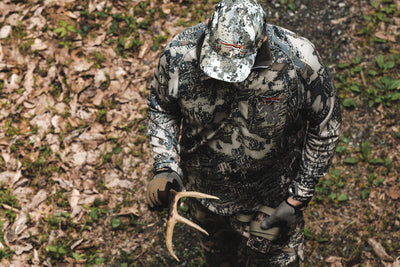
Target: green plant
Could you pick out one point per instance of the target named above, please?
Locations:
(101, 115)
(289, 3)
(7, 198)
(56, 89)
(5, 252)
(99, 59)
(158, 40)
(45, 165)
(65, 31)
(64, 28)
(115, 223)
(377, 87)
(366, 150)
(383, 12)
(57, 252)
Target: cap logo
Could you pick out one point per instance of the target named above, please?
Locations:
(232, 49)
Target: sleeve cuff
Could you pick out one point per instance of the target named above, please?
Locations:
(301, 193)
(168, 166)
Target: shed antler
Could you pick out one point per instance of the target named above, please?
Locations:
(174, 217)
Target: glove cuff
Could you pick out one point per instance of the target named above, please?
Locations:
(162, 170)
(298, 208)
(296, 193)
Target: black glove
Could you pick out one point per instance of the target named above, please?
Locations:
(158, 188)
(285, 215)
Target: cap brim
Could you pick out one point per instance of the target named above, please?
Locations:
(222, 68)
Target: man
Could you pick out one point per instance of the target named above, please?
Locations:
(247, 112)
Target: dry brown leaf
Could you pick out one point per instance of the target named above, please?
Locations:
(385, 36)
(79, 158)
(4, 141)
(98, 98)
(21, 249)
(77, 243)
(66, 185)
(6, 176)
(379, 250)
(394, 192)
(1, 57)
(38, 45)
(143, 50)
(74, 198)
(35, 258)
(9, 237)
(12, 83)
(19, 224)
(397, 262)
(5, 31)
(37, 20)
(37, 200)
(334, 261)
(166, 8)
(93, 157)
(29, 105)
(129, 210)
(73, 202)
(43, 122)
(339, 21)
(58, 123)
(17, 176)
(100, 77)
(87, 199)
(96, 41)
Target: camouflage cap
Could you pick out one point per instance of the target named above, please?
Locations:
(233, 35)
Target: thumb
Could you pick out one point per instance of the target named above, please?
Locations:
(268, 222)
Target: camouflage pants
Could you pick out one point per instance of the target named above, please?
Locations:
(227, 245)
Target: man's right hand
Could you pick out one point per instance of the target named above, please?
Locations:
(158, 189)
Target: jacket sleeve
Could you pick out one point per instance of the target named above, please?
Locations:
(164, 115)
(322, 111)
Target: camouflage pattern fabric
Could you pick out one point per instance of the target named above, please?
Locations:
(246, 142)
(230, 244)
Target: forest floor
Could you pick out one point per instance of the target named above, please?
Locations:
(75, 157)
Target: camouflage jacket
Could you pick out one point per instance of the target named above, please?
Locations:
(247, 143)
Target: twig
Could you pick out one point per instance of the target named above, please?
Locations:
(10, 208)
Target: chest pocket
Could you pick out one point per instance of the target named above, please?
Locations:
(268, 115)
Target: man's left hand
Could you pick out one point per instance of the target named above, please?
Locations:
(286, 214)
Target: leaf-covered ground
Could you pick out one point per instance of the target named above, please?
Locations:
(74, 156)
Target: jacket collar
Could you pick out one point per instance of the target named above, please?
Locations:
(264, 56)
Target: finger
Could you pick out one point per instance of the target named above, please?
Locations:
(153, 195)
(265, 224)
(148, 198)
(154, 199)
(151, 202)
(269, 222)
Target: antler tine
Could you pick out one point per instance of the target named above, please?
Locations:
(174, 217)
